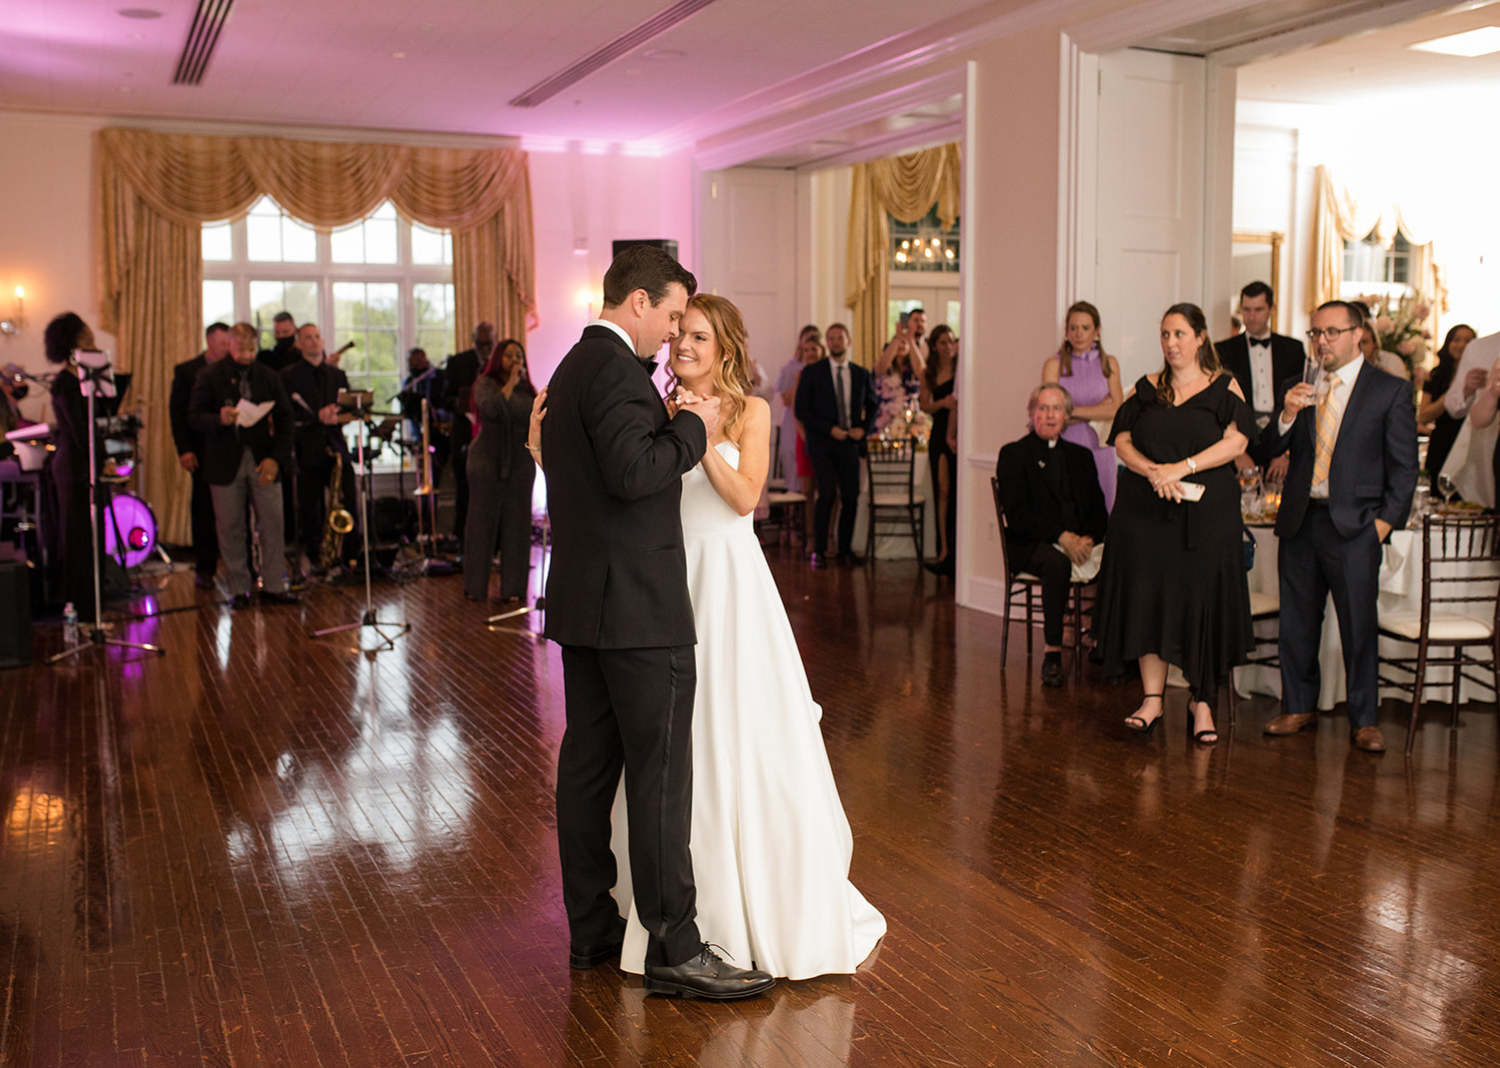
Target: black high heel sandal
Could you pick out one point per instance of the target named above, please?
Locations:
(1140, 726)
(1201, 737)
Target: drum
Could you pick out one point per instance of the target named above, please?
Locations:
(136, 526)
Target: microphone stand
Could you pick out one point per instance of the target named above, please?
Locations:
(89, 379)
(369, 619)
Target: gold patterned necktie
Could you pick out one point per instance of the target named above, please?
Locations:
(1327, 430)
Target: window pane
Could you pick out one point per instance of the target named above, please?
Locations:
(348, 305)
(381, 353)
(299, 244)
(381, 298)
(217, 244)
(349, 244)
(218, 302)
(380, 235)
(264, 235)
(431, 247)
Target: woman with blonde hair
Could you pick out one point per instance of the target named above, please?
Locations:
(771, 845)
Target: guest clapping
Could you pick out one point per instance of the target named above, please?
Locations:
(1172, 588)
(1055, 515)
(500, 476)
(1092, 377)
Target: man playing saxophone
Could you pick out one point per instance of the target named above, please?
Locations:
(313, 386)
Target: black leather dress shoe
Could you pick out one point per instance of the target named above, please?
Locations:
(707, 976)
(1052, 670)
(268, 597)
(591, 956)
(239, 600)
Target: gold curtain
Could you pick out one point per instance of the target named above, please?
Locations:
(906, 187)
(155, 191)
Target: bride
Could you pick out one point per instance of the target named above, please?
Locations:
(770, 842)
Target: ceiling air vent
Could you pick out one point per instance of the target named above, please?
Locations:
(202, 39)
(653, 27)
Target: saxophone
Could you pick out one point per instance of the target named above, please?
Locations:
(339, 521)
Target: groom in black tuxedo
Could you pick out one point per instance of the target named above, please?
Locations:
(617, 603)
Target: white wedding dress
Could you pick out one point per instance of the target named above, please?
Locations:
(770, 841)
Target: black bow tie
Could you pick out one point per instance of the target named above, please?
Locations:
(649, 366)
(1263, 342)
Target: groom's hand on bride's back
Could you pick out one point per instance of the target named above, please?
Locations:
(705, 408)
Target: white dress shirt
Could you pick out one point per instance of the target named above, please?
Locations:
(1348, 375)
(616, 328)
(1480, 355)
(1262, 375)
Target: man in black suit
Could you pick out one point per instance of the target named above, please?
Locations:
(1352, 472)
(836, 406)
(1264, 363)
(459, 373)
(1055, 516)
(425, 382)
(241, 462)
(189, 445)
(312, 386)
(285, 353)
(617, 603)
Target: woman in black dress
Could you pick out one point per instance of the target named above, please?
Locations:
(500, 476)
(1172, 588)
(69, 464)
(1444, 427)
(937, 400)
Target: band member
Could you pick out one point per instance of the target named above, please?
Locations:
(459, 374)
(218, 342)
(426, 382)
(312, 387)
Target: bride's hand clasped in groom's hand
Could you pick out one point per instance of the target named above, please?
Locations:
(705, 408)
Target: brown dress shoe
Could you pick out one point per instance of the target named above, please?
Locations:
(1369, 739)
(1292, 722)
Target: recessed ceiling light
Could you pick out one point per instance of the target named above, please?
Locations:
(398, 55)
(662, 53)
(138, 13)
(1480, 42)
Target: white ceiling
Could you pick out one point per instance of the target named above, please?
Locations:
(335, 62)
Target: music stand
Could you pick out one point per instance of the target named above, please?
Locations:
(94, 378)
(359, 403)
(541, 601)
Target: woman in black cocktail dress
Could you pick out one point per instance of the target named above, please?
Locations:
(1172, 588)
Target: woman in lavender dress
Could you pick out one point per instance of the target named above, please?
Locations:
(1092, 376)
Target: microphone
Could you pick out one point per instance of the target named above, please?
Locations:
(347, 346)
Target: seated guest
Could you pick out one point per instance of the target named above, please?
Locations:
(1055, 514)
(835, 404)
(313, 388)
(189, 445)
(285, 353)
(425, 382)
(243, 463)
(1264, 363)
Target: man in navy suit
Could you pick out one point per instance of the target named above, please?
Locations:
(1263, 362)
(836, 406)
(617, 603)
(1349, 483)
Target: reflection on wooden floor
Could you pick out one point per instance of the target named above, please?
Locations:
(268, 850)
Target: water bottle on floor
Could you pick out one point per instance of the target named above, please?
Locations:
(70, 625)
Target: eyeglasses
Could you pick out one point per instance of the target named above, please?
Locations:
(1331, 333)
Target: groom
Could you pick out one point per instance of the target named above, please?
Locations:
(617, 603)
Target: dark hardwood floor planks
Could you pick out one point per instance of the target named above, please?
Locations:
(270, 849)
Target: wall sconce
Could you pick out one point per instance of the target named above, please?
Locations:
(13, 324)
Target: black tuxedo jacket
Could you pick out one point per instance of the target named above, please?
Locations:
(1031, 476)
(184, 375)
(1287, 358)
(614, 465)
(318, 387)
(219, 385)
(1373, 473)
(817, 406)
(459, 374)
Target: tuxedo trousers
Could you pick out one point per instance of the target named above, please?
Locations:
(1315, 562)
(630, 710)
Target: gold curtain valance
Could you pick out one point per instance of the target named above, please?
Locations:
(907, 187)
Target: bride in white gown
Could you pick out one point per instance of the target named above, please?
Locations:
(770, 842)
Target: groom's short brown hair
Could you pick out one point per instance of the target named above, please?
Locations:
(644, 267)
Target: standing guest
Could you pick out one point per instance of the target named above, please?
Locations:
(1172, 588)
(1482, 414)
(1092, 377)
(313, 388)
(898, 380)
(1434, 405)
(425, 382)
(939, 402)
(190, 451)
(910, 338)
(1350, 482)
(1373, 354)
(624, 619)
(243, 463)
(786, 390)
(69, 463)
(1472, 373)
(835, 404)
(1055, 513)
(459, 373)
(285, 353)
(500, 476)
(1264, 363)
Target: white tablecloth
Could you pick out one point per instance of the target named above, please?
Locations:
(897, 546)
(1400, 589)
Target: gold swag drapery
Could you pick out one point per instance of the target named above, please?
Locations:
(906, 187)
(155, 191)
(1339, 216)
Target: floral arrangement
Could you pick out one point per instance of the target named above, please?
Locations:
(1402, 329)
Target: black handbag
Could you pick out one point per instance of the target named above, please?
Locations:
(1249, 547)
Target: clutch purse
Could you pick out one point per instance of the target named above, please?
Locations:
(1192, 491)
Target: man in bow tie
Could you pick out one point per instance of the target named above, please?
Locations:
(1262, 362)
(1055, 515)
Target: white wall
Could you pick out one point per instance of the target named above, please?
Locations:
(1266, 179)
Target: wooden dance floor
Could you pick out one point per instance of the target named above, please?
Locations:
(264, 849)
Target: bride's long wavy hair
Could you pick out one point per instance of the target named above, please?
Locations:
(732, 369)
